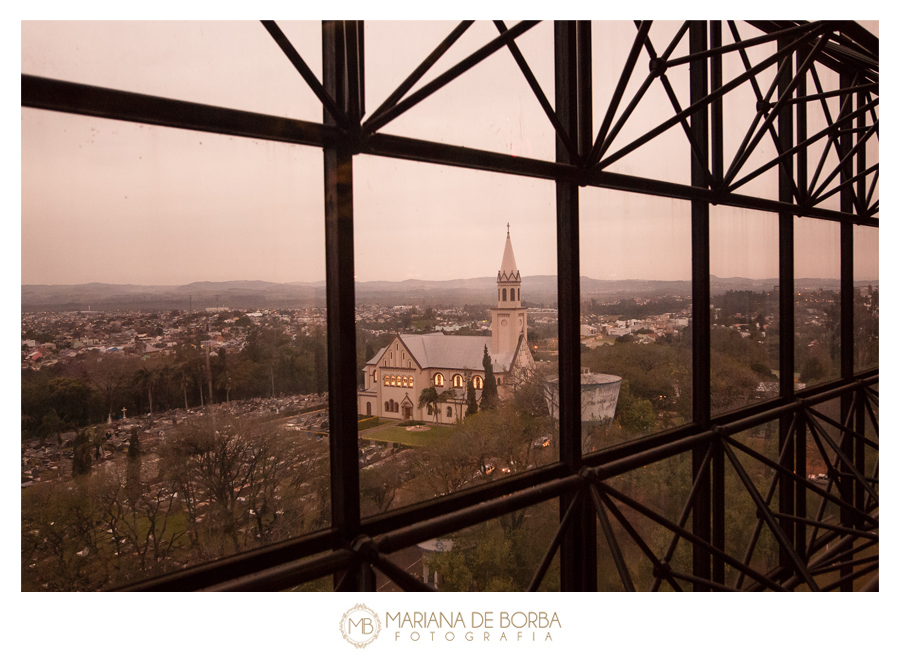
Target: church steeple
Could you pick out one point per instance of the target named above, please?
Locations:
(509, 281)
(509, 321)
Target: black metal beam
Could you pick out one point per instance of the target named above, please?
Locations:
(696, 105)
(716, 49)
(247, 564)
(340, 300)
(74, 98)
(786, 193)
(700, 317)
(88, 100)
(845, 485)
(717, 159)
(578, 561)
(549, 554)
(750, 143)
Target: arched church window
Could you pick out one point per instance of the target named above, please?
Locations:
(439, 380)
(387, 380)
(457, 381)
(387, 407)
(393, 380)
(410, 382)
(478, 382)
(504, 295)
(449, 412)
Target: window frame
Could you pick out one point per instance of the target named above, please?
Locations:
(343, 55)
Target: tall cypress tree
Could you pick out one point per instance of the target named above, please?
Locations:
(471, 404)
(489, 394)
(81, 460)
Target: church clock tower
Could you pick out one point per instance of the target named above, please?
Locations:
(509, 320)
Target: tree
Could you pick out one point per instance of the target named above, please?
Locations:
(428, 399)
(489, 394)
(81, 459)
(432, 400)
(71, 399)
(380, 485)
(445, 465)
(146, 377)
(635, 415)
(51, 425)
(471, 403)
(109, 374)
(813, 370)
(184, 376)
(242, 483)
(133, 468)
(99, 440)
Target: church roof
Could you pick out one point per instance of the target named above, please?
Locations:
(508, 269)
(375, 359)
(456, 352)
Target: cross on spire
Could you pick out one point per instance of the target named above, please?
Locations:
(507, 229)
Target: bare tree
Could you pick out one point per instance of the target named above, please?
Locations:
(244, 482)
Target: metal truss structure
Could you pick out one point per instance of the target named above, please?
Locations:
(826, 532)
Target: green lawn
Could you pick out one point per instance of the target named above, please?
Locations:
(400, 435)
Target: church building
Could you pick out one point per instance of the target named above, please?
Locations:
(396, 376)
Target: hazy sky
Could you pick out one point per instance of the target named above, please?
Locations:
(124, 203)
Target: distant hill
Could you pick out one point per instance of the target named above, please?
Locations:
(538, 290)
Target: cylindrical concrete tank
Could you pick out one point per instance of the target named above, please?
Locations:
(599, 395)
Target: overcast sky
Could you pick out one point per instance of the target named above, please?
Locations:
(117, 202)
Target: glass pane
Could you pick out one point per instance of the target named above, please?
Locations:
(611, 42)
(663, 487)
(174, 380)
(865, 297)
(490, 106)
(748, 538)
(824, 473)
(744, 317)
(500, 555)
(441, 308)
(823, 176)
(636, 311)
(233, 64)
(817, 311)
(739, 108)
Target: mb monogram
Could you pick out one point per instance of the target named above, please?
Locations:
(360, 626)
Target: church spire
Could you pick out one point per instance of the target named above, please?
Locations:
(508, 270)
(509, 321)
(509, 280)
